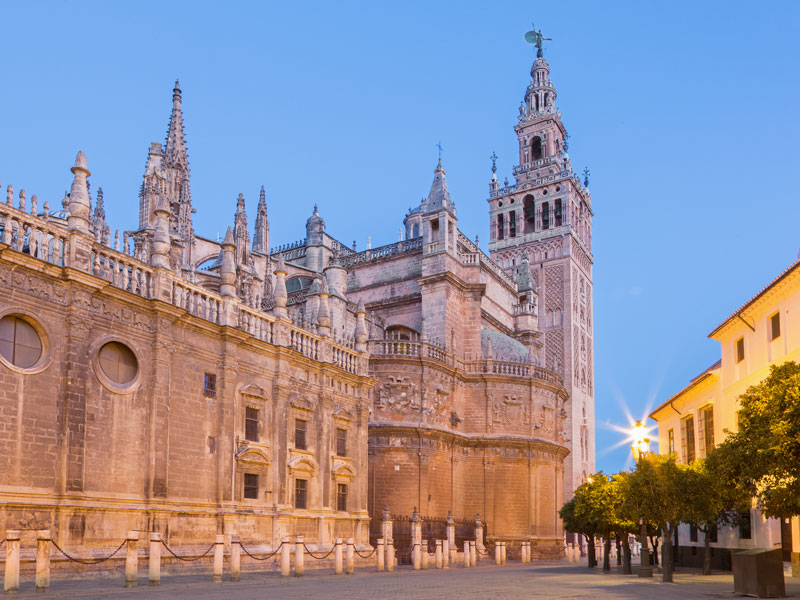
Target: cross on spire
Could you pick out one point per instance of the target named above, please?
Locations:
(493, 158)
(439, 146)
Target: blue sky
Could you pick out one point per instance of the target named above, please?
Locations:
(685, 112)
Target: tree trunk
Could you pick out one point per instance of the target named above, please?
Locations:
(619, 550)
(590, 553)
(626, 563)
(606, 553)
(707, 557)
(666, 558)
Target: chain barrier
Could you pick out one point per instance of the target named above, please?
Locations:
(374, 550)
(267, 557)
(88, 561)
(319, 557)
(210, 548)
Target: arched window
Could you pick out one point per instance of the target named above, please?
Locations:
(536, 148)
(546, 215)
(19, 343)
(118, 363)
(500, 227)
(558, 214)
(400, 332)
(415, 230)
(529, 214)
(295, 284)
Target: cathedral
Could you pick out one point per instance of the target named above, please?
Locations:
(158, 380)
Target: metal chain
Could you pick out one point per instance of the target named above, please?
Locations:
(320, 557)
(267, 557)
(374, 550)
(88, 561)
(187, 559)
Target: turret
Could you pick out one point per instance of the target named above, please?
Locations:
(241, 236)
(161, 239)
(280, 296)
(315, 233)
(79, 205)
(361, 333)
(323, 310)
(99, 218)
(227, 271)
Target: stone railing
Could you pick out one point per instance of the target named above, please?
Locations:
(472, 248)
(379, 252)
(257, 324)
(524, 308)
(285, 247)
(197, 300)
(32, 235)
(122, 271)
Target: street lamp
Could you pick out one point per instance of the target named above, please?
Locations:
(640, 448)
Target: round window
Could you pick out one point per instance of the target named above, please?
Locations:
(19, 343)
(118, 363)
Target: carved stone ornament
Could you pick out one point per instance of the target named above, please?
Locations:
(398, 394)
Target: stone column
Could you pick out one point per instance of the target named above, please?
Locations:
(11, 581)
(498, 554)
(299, 556)
(416, 540)
(438, 556)
(154, 560)
(236, 558)
(285, 564)
(351, 556)
(451, 537)
(379, 551)
(42, 559)
(424, 550)
(445, 553)
(473, 553)
(479, 531)
(131, 559)
(466, 554)
(502, 553)
(390, 555)
(337, 557)
(219, 555)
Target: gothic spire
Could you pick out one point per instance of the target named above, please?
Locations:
(240, 233)
(439, 196)
(99, 219)
(175, 150)
(261, 237)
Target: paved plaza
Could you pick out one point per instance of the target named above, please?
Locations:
(512, 581)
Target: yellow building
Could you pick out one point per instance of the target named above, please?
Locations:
(763, 332)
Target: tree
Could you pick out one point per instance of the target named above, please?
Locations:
(763, 457)
(658, 491)
(591, 513)
(574, 523)
(624, 522)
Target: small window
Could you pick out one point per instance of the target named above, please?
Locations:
(251, 424)
(341, 497)
(740, 350)
(745, 526)
(251, 486)
(671, 441)
(688, 423)
(500, 227)
(19, 343)
(692, 533)
(210, 385)
(775, 326)
(300, 434)
(118, 363)
(512, 224)
(546, 215)
(558, 213)
(536, 147)
(300, 493)
(341, 442)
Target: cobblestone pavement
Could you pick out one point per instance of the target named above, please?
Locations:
(513, 581)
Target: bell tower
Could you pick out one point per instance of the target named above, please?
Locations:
(545, 218)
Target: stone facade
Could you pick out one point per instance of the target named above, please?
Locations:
(194, 387)
(545, 217)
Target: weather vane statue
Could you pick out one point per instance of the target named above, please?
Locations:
(536, 38)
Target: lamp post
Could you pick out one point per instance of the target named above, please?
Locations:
(640, 449)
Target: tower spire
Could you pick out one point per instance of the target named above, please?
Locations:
(439, 196)
(175, 149)
(261, 235)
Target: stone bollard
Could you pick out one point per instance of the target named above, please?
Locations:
(219, 555)
(337, 557)
(446, 553)
(523, 552)
(473, 553)
(154, 560)
(437, 559)
(425, 556)
(42, 560)
(466, 554)
(498, 553)
(236, 558)
(380, 550)
(285, 561)
(390, 555)
(299, 556)
(131, 559)
(351, 556)
(416, 556)
(11, 581)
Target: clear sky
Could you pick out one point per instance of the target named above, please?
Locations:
(685, 112)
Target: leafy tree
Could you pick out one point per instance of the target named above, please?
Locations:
(763, 457)
(591, 512)
(625, 523)
(573, 522)
(658, 491)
